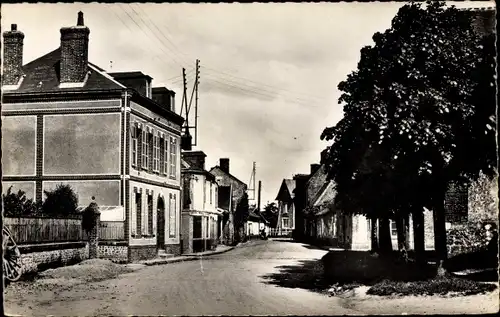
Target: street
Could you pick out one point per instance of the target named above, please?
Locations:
(232, 283)
(258, 278)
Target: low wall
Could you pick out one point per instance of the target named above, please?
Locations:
(48, 255)
(114, 251)
(141, 252)
(175, 249)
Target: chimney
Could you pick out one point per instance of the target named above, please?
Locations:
(195, 158)
(13, 56)
(224, 164)
(186, 141)
(74, 52)
(314, 168)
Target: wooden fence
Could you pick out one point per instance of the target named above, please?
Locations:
(44, 230)
(32, 230)
(112, 230)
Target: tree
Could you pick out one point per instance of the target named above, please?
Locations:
(271, 214)
(61, 201)
(241, 216)
(414, 97)
(17, 204)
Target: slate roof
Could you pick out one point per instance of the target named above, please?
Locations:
(289, 185)
(136, 74)
(42, 75)
(228, 174)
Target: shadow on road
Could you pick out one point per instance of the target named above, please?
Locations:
(307, 274)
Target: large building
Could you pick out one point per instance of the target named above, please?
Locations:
(112, 136)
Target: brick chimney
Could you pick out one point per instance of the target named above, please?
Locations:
(74, 52)
(195, 158)
(224, 164)
(13, 56)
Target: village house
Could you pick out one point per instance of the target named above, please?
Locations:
(112, 136)
(286, 208)
(231, 191)
(256, 223)
(201, 218)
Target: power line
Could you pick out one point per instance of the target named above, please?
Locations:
(161, 33)
(147, 34)
(267, 90)
(132, 32)
(259, 83)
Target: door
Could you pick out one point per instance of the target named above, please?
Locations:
(160, 224)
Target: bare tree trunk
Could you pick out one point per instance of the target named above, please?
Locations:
(419, 235)
(440, 233)
(373, 234)
(385, 243)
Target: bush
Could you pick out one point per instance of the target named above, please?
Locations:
(437, 286)
(471, 237)
(17, 204)
(61, 201)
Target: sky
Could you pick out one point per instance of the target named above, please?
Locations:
(268, 72)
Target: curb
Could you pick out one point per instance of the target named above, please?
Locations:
(185, 258)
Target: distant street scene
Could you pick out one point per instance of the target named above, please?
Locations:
(249, 158)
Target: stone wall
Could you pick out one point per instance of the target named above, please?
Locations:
(141, 252)
(115, 253)
(40, 257)
(174, 249)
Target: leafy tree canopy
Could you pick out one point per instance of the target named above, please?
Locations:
(61, 201)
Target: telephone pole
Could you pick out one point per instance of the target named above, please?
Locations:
(196, 102)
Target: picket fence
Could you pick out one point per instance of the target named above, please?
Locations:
(39, 229)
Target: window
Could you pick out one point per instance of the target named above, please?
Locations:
(285, 223)
(156, 153)
(145, 150)
(172, 214)
(211, 193)
(134, 134)
(204, 192)
(138, 211)
(165, 157)
(394, 229)
(161, 166)
(173, 157)
(150, 213)
(150, 152)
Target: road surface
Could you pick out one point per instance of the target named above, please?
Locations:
(259, 278)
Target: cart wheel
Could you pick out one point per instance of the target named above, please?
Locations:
(11, 257)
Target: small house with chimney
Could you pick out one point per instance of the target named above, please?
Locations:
(201, 218)
(231, 194)
(108, 135)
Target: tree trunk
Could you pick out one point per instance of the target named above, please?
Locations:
(440, 233)
(373, 234)
(385, 243)
(401, 231)
(419, 235)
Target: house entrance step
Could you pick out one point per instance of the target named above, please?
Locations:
(164, 255)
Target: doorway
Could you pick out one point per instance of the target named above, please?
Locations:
(160, 224)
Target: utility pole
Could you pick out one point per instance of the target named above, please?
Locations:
(258, 201)
(196, 102)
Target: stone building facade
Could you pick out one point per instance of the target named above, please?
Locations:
(65, 120)
(230, 194)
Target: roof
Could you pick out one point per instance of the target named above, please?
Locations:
(135, 74)
(160, 90)
(287, 187)
(42, 75)
(228, 174)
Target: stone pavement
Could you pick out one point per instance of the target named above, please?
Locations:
(187, 257)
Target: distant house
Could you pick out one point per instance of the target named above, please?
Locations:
(201, 218)
(255, 223)
(103, 134)
(300, 201)
(231, 193)
(286, 207)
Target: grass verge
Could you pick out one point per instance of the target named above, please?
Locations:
(436, 286)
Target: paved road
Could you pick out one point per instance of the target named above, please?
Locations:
(260, 278)
(248, 280)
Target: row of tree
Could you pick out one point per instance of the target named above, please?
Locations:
(419, 113)
(61, 201)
